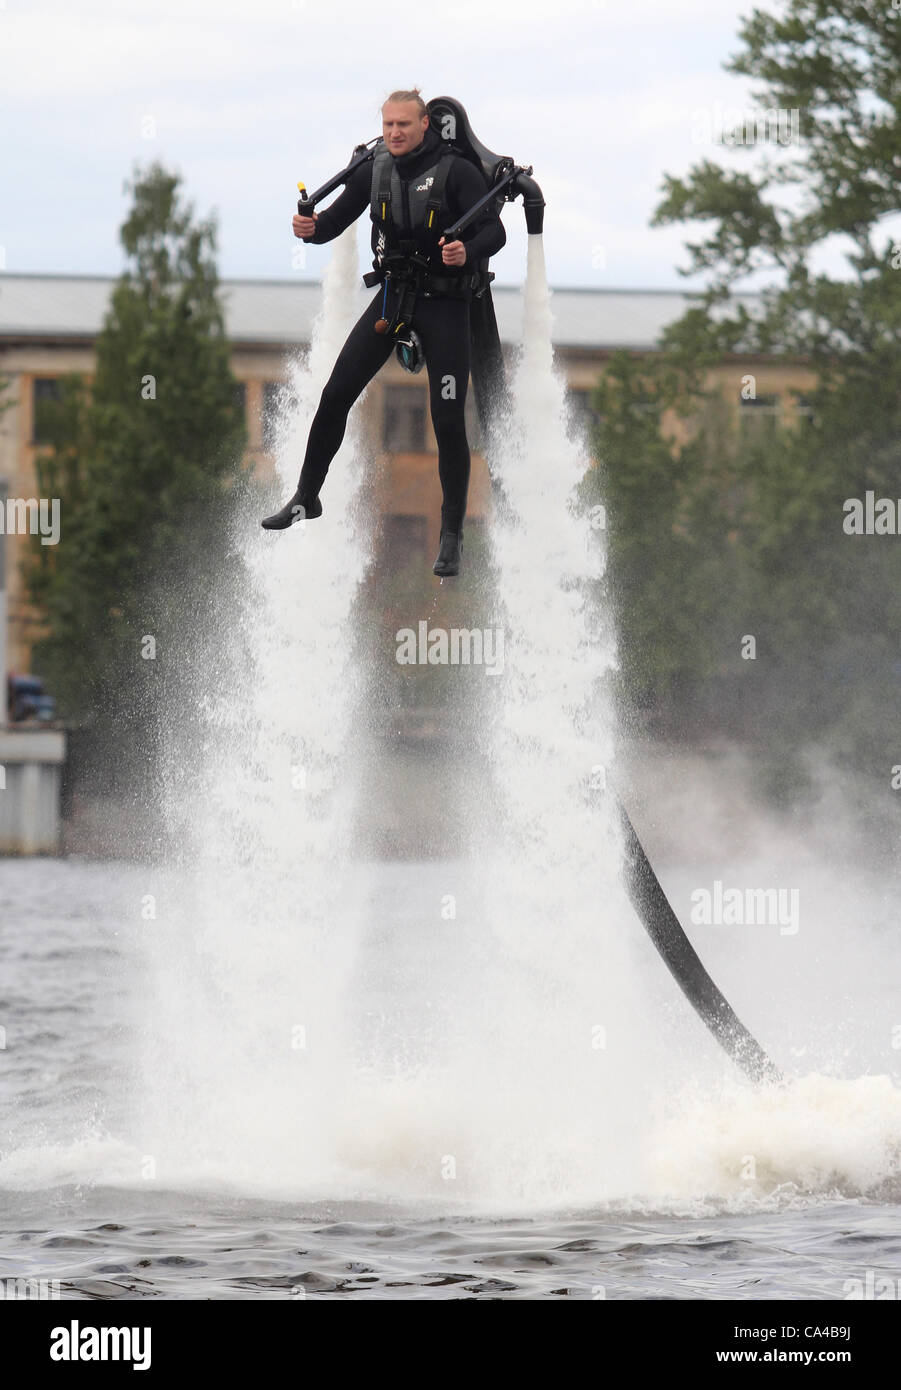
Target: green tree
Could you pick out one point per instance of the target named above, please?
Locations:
(141, 461)
(758, 527)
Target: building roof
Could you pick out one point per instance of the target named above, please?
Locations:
(274, 313)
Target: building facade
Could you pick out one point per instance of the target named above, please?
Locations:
(49, 325)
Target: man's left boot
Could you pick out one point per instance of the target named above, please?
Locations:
(448, 562)
(299, 508)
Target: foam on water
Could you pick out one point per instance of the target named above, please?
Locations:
(816, 1139)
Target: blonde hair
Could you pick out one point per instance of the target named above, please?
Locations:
(414, 95)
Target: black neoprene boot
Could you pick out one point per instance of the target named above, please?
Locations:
(448, 562)
(300, 508)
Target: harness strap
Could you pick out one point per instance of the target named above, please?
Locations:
(436, 198)
(382, 201)
(401, 260)
(384, 187)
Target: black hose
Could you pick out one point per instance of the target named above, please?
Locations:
(684, 964)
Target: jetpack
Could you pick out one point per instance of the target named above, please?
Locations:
(507, 181)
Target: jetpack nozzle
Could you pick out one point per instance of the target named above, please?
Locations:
(532, 201)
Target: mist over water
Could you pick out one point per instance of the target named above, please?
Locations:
(311, 1025)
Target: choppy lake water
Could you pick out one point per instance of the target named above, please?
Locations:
(88, 1199)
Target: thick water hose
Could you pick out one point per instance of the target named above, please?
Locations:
(684, 964)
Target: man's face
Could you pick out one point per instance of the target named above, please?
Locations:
(402, 126)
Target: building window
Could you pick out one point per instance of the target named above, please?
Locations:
(801, 410)
(404, 540)
(403, 426)
(46, 396)
(758, 418)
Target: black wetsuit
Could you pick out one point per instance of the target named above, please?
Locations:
(442, 324)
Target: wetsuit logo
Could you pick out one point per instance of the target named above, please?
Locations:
(424, 187)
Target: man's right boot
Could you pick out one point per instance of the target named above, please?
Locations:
(448, 562)
(300, 508)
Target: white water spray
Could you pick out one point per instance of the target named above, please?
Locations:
(262, 956)
(252, 936)
(573, 1030)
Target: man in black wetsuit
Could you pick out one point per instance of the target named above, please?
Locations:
(413, 187)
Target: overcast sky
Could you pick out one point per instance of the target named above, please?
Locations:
(243, 99)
